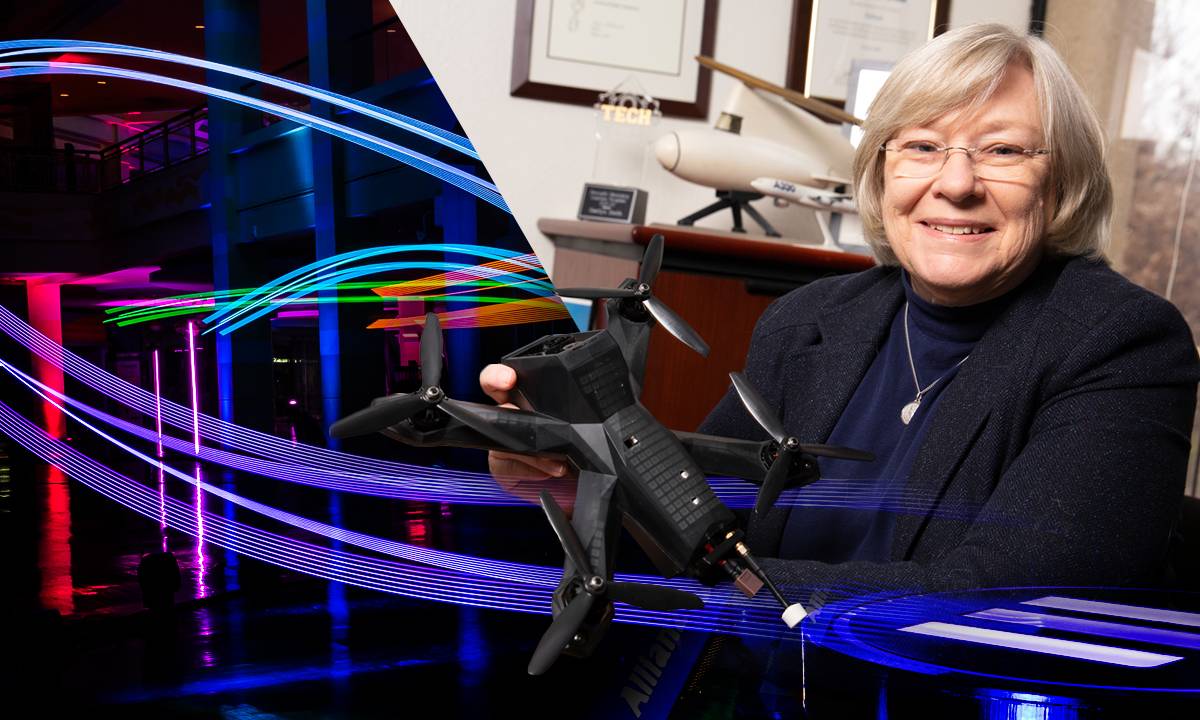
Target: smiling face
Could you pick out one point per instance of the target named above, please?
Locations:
(962, 239)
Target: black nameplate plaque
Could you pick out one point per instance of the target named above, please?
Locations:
(607, 203)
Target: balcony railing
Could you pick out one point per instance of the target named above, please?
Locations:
(182, 137)
(90, 171)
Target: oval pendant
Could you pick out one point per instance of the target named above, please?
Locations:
(907, 412)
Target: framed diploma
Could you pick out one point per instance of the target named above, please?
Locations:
(828, 36)
(572, 50)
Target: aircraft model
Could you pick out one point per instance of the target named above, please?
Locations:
(578, 396)
(762, 147)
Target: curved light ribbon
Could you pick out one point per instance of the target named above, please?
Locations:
(404, 122)
(480, 188)
(354, 569)
(304, 274)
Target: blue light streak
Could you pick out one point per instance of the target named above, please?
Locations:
(480, 188)
(438, 135)
(304, 274)
(867, 627)
(329, 280)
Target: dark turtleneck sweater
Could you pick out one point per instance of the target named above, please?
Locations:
(850, 513)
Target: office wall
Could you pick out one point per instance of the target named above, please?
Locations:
(540, 153)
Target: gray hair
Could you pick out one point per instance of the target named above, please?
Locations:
(961, 70)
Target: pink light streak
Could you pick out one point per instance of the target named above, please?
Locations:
(157, 405)
(201, 559)
(155, 302)
(54, 544)
(162, 505)
(297, 314)
(195, 402)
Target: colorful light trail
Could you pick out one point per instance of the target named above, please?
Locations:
(438, 135)
(482, 189)
(475, 488)
(395, 577)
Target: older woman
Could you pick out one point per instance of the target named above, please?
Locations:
(1028, 407)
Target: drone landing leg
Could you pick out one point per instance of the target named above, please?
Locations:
(593, 498)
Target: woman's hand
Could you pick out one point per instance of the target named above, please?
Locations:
(522, 475)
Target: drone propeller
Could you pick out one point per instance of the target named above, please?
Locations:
(789, 446)
(663, 315)
(386, 412)
(565, 626)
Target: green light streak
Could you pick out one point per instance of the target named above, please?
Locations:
(240, 292)
(142, 315)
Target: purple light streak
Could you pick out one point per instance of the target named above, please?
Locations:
(1121, 631)
(1043, 645)
(517, 572)
(362, 571)
(313, 465)
(1134, 612)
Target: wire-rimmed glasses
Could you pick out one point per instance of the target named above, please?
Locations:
(997, 161)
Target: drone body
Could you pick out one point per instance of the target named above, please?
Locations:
(578, 396)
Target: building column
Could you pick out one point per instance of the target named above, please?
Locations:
(332, 65)
(45, 315)
(231, 36)
(455, 213)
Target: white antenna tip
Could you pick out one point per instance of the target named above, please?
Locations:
(794, 614)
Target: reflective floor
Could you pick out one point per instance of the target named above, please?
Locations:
(245, 639)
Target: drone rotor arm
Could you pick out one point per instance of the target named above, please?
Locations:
(837, 451)
(465, 414)
(722, 456)
(566, 534)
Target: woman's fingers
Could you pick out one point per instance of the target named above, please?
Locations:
(523, 467)
(524, 476)
(497, 380)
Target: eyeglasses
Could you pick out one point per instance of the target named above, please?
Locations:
(998, 161)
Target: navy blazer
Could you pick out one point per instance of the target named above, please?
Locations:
(1064, 439)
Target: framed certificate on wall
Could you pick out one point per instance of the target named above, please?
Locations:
(828, 36)
(573, 50)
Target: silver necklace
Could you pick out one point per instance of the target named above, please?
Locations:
(907, 412)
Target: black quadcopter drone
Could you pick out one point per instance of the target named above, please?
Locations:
(578, 396)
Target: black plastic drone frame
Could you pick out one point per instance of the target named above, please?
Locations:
(578, 397)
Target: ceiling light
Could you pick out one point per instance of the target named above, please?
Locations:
(101, 82)
(199, 27)
(63, 95)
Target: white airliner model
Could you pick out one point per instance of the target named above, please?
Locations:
(769, 141)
